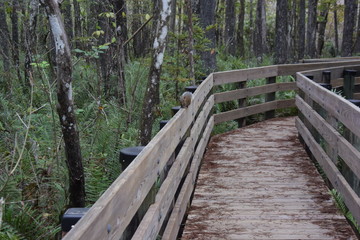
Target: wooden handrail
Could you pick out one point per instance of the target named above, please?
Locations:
(337, 110)
(112, 213)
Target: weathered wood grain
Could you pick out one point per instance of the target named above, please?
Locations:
(257, 182)
(337, 106)
(291, 69)
(251, 110)
(351, 200)
(346, 151)
(254, 91)
(109, 216)
(152, 221)
(244, 75)
(173, 226)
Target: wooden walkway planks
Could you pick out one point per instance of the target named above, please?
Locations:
(258, 183)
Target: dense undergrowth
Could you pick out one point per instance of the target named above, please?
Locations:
(33, 173)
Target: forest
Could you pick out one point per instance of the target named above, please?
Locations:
(81, 79)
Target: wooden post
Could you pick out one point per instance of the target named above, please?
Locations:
(351, 178)
(349, 82)
(270, 97)
(241, 104)
(127, 155)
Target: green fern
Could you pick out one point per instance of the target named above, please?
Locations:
(340, 204)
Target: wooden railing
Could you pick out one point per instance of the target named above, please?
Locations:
(109, 217)
(330, 127)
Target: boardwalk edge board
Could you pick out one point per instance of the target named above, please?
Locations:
(112, 213)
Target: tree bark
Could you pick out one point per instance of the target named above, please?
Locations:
(15, 35)
(78, 26)
(240, 32)
(119, 58)
(4, 39)
(191, 41)
(310, 49)
(230, 27)
(301, 30)
(336, 30)
(207, 22)
(260, 30)
(152, 97)
(357, 40)
(324, 11)
(349, 25)
(30, 38)
(281, 44)
(66, 105)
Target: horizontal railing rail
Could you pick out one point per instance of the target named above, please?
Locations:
(330, 127)
(110, 216)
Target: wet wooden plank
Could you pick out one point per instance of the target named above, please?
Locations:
(270, 190)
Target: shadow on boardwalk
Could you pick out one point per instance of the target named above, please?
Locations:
(258, 183)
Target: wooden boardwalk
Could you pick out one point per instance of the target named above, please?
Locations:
(258, 183)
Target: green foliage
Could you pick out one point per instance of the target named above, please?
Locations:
(343, 208)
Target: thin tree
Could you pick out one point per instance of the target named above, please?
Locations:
(207, 21)
(357, 40)
(281, 43)
(189, 10)
(349, 25)
(310, 48)
(30, 38)
(152, 98)
(301, 29)
(230, 27)
(240, 31)
(66, 105)
(15, 35)
(336, 29)
(322, 21)
(260, 30)
(4, 38)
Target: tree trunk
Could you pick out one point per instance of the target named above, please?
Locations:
(336, 30)
(310, 49)
(357, 40)
(66, 6)
(138, 43)
(152, 92)
(292, 53)
(281, 32)
(4, 39)
(301, 30)
(207, 18)
(349, 25)
(322, 21)
(66, 105)
(260, 30)
(78, 26)
(15, 36)
(30, 38)
(240, 32)
(119, 58)
(251, 26)
(230, 27)
(191, 41)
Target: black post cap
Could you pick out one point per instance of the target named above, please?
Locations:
(71, 217)
(163, 123)
(355, 102)
(350, 72)
(191, 89)
(175, 109)
(127, 155)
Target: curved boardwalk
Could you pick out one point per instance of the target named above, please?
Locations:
(258, 183)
